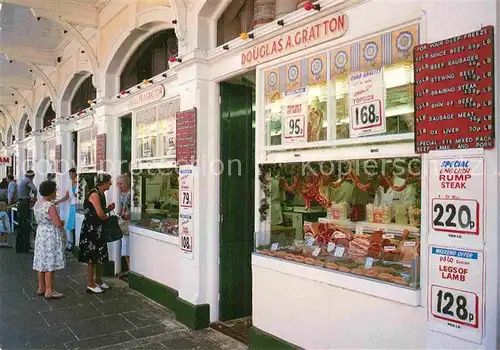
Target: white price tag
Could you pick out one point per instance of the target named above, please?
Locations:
(455, 216)
(409, 244)
(274, 246)
(339, 252)
(186, 243)
(316, 251)
(454, 305)
(388, 236)
(389, 248)
(339, 235)
(367, 115)
(359, 229)
(310, 241)
(368, 263)
(186, 199)
(294, 126)
(331, 247)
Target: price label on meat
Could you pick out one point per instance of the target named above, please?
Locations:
(186, 182)
(366, 103)
(186, 234)
(295, 117)
(456, 205)
(454, 89)
(455, 292)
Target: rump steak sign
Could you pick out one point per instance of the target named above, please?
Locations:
(313, 34)
(5, 161)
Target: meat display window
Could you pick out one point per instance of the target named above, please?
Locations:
(156, 200)
(359, 217)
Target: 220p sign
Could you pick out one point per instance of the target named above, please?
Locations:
(458, 216)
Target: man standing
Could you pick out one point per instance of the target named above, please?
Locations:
(25, 190)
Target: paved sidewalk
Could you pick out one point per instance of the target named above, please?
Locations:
(117, 319)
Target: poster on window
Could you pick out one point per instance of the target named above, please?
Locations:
(294, 124)
(186, 192)
(367, 103)
(186, 228)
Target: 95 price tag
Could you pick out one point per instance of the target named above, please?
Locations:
(455, 216)
(294, 127)
(366, 115)
(455, 306)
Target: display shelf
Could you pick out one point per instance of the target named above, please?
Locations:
(371, 226)
(347, 281)
(144, 232)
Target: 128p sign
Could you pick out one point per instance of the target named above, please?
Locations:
(458, 216)
(455, 305)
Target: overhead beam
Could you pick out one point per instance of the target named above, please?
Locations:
(15, 81)
(74, 12)
(29, 54)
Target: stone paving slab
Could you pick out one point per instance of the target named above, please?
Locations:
(117, 319)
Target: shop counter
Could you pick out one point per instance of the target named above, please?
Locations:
(315, 308)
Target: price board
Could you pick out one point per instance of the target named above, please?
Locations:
(186, 191)
(294, 123)
(367, 103)
(186, 228)
(454, 93)
(456, 199)
(455, 294)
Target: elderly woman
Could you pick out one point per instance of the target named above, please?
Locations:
(125, 205)
(49, 242)
(93, 248)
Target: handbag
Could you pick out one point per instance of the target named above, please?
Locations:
(111, 229)
(124, 226)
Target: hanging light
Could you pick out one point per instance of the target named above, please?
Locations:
(145, 81)
(172, 59)
(308, 6)
(244, 36)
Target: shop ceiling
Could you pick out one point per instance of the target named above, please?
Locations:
(33, 34)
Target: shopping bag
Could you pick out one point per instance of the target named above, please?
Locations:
(123, 226)
(111, 229)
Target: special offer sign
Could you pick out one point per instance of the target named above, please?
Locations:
(366, 103)
(186, 183)
(295, 117)
(456, 200)
(455, 292)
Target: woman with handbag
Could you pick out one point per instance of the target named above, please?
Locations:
(125, 205)
(93, 248)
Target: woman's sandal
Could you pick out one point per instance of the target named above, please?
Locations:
(54, 295)
(40, 293)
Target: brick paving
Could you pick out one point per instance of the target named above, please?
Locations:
(117, 319)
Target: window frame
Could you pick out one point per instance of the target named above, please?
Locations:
(92, 167)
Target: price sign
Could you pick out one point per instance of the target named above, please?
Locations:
(294, 121)
(455, 292)
(455, 215)
(186, 190)
(456, 198)
(186, 228)
(366, 103)
(455, 305)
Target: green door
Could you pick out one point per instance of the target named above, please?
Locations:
(126, 144)
(236, 201)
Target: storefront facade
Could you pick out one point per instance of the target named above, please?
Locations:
(277, 176)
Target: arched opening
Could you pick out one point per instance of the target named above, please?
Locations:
(10, 137)
(48, 116)
(27, 128)
(150, 58)
(44, 114)
(85, 92)
(24, 127)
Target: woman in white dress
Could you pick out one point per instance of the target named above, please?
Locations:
(49, 242)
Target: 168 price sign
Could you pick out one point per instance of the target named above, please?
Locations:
(455, 216)
(366, 115)
(454, 305)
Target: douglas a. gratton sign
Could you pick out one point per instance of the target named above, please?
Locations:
(313, 34)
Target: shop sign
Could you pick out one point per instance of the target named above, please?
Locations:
(295, 117)
(455, 292)
(186, 183)
(185, 135)
(5, 161)
(146, 97)
(298, 39)
(454, 93)
(456, 200)
(366, 103)
(186, 228)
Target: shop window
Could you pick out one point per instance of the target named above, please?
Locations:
(150, 59)
(49, 116)
(50, 155)
(154, 132)
(156, 200)
(361, 92)
(87, 148)
(29, 158)
(359, 217)
(85, 92)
